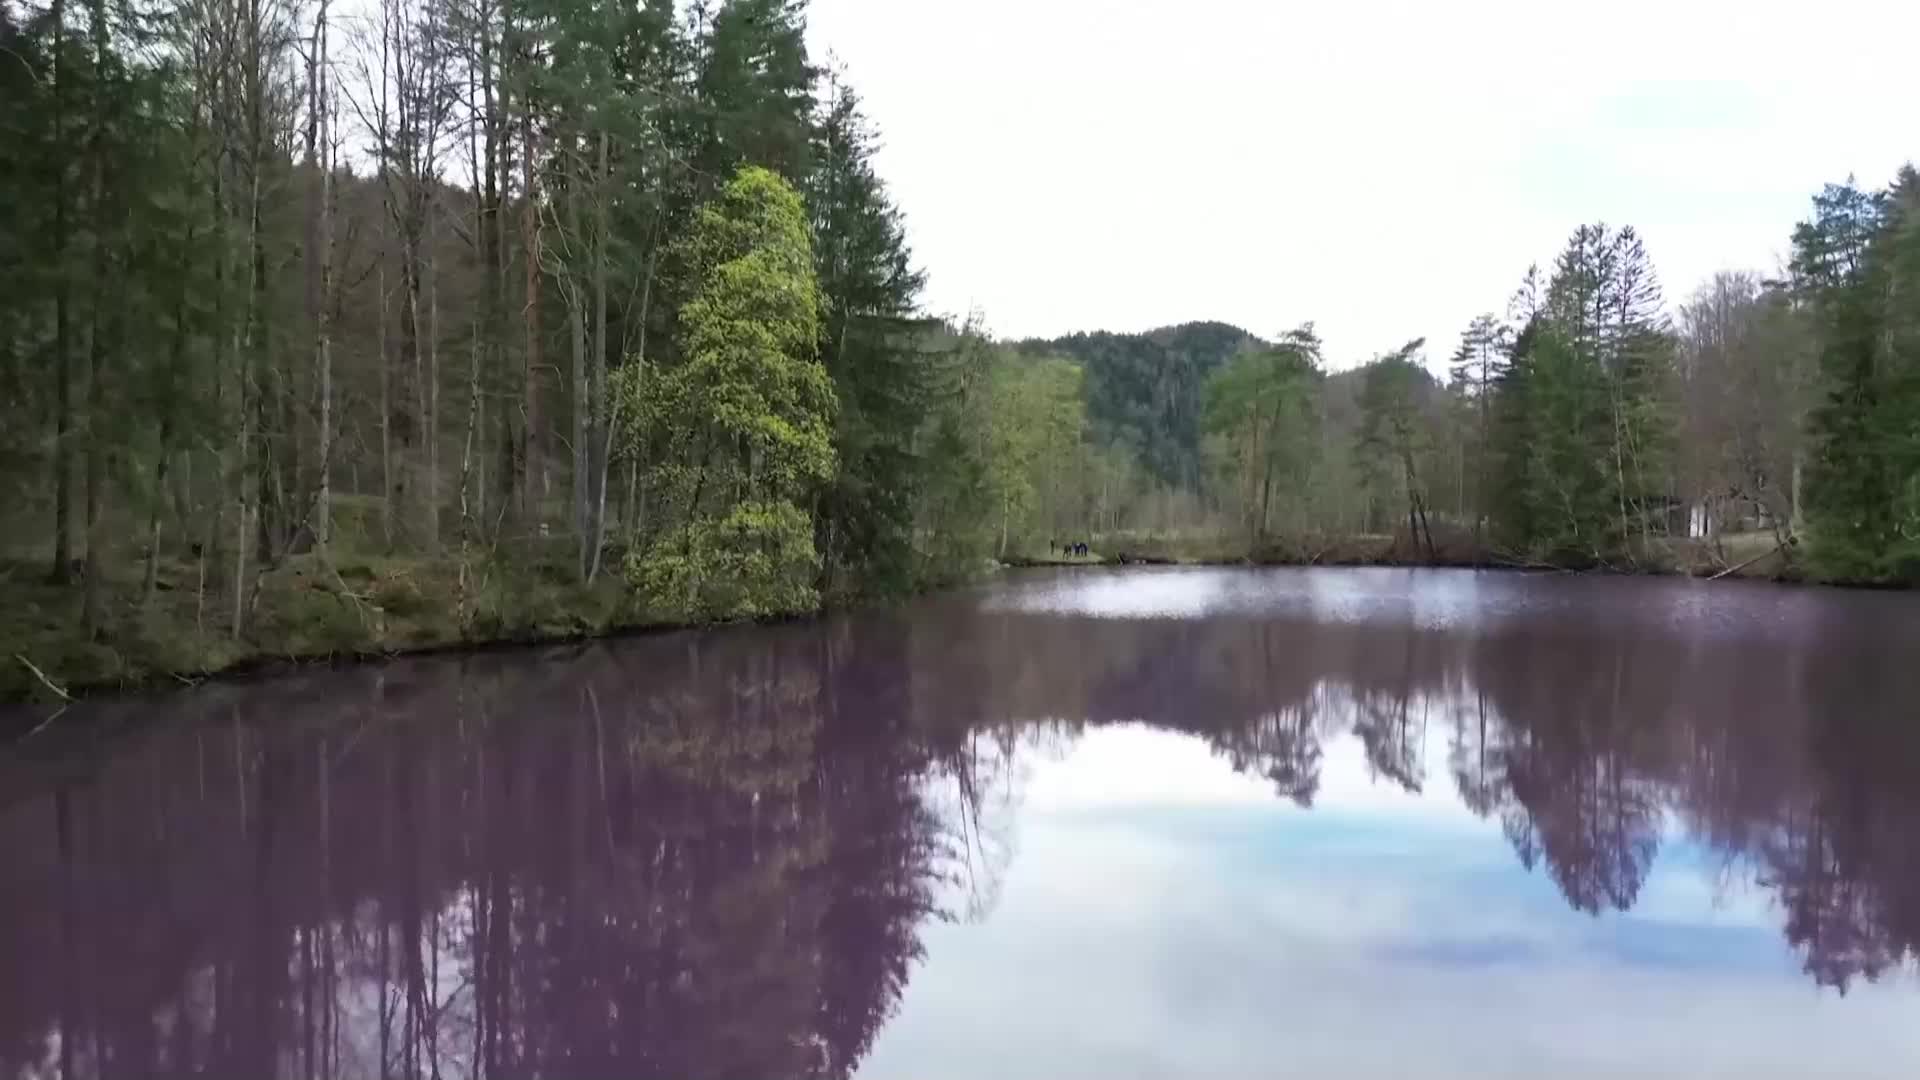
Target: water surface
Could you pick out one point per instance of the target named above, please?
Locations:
(1088, 823)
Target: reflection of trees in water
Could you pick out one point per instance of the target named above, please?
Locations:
(712, 854)
(1581, 768)
(708, 857)
(1791, 755)
(975, 791)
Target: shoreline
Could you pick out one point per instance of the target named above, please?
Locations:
(1761, 569)
(30, 683)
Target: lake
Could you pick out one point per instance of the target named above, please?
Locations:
(1070, 824)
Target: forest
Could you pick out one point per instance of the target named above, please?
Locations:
(347, 329)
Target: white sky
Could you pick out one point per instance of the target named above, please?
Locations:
(1387, 170)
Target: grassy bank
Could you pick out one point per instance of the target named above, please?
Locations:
(307, 608)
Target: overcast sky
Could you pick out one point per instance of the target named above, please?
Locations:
(1386, 170)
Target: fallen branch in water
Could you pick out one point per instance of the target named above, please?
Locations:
(58, 690)
(1776, 549)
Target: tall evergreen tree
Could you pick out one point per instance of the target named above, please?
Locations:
(1478, 365)
(1584, 429)
(1856, 263)
(755, 87)
(868, 290)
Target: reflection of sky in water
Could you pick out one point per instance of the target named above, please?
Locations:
(1426, 600)
(1168, 917)
(1420, 599)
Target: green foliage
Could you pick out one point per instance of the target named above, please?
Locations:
(745, 419)
(756, 561)
(1261, 415)
(749, 408)
(882, 378)
(1396, 395)
(1038, 417)
(1478, 367)
(1553, 414)
(755, 86)
(955, 505)
(1146, 393)
(1857, 266)
(1008, 467)
(1580, 417)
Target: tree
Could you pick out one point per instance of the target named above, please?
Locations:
(955, 507)
(755, 87)
(1746, 384)
(869, 289)
(1856, 264)
(1035, 420)
(1582, 413)
(1478, 366)
(1261, 407)
(1397, 431)
(745, 419)
(1146, 393)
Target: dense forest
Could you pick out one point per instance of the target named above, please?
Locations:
(330, 328)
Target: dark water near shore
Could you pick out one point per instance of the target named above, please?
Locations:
(1076, 824)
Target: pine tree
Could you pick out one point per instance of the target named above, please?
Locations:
(1857, 265)
(869, 289)
(1583, 426)
(756, 89)
(1478, 366)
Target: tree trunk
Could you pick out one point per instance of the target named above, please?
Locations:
(633, 515)
(1793, 518)
(96, 453)
(323, 315)
(1620, 469)
(61, 571)
(258, 350)
(466, 446)
(1417, 526)
(577, 342)
(577, 339)
(240, 540)
(493, 241)
(386, 416)
(1266, 493)
(531, 494)
(415, 362)
(431, 419)
(152, 582)
(103, 301)
(601, 440)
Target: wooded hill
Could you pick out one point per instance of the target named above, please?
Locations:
(1146, 392)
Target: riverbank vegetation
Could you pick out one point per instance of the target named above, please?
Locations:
(423, 322)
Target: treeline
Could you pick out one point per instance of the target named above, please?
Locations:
(468, 298)
(1585, 427)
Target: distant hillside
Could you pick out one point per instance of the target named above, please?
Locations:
(1146, 391)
